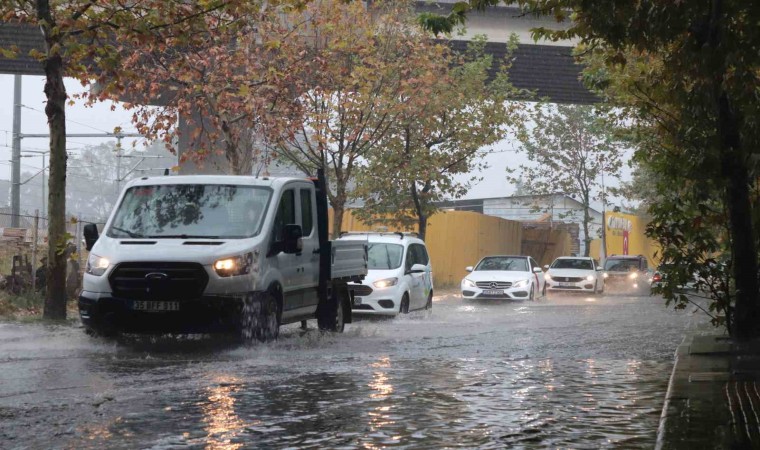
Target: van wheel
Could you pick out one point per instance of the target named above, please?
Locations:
(259, 319)
(332, 316)
(404, 308)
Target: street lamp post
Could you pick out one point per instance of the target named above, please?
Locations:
(603, 252)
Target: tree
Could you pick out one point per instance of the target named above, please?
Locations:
(436, 136)
(359, 66)
(688, 71)
(84, 39)
(570, 149)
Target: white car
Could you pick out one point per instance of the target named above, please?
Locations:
(505, 277)
(575, 274)
(399, 279)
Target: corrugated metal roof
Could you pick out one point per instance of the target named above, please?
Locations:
(26, 38)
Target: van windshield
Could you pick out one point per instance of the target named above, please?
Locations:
(184, 211)
(384, 256)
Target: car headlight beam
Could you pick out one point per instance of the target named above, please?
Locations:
(96, 265)
(234, 266)
(385, 283)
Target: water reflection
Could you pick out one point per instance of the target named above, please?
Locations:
(222, 422)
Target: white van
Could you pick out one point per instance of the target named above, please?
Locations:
(399, 278)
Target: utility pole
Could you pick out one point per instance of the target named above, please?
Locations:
(16, 154)
(603, 252)
(118, 166)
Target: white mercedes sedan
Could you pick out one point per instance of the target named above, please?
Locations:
(575, 274)
(504, 277)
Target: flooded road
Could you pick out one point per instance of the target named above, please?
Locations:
(573, 372)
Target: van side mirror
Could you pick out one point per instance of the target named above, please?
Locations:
(90, 232)
(418, 268)
(468, 268)
(292, 242)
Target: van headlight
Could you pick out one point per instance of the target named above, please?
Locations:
(521, 283)
(96, 265)
(234, 266)
(468, 283)
(388, 282)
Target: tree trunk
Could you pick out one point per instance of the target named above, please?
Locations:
(743, 248)
(338, 210)
(419, 210)
(586, 236)
(55, 91)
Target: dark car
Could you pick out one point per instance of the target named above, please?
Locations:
(628, 273)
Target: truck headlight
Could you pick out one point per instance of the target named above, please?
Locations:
(468, 283)
(237, 265)
(521, 283)
(96, 265)
(388, 282)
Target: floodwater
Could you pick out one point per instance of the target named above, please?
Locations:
(570, 372)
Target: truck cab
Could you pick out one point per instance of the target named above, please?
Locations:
(200, 253)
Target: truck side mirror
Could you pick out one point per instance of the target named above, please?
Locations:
(292, 242)
(90, 232)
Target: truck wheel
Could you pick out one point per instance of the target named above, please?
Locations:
(259, 319)
(331, 316)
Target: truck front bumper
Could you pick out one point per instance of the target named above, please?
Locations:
(208, 314)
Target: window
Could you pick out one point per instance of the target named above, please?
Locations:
(384, 256)
(307, 217)
(533, 263)
(508, 263)
(410, 258)
(568, 263)
(420, 254)
(286, 215)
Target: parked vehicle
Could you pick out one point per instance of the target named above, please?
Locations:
(504, 277)
(399, 278)
(575, 274)
(628, 273)
(202, 253)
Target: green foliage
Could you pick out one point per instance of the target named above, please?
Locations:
(451, 111)
(570, 149)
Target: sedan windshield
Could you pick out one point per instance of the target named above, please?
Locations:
(567, 263)
(512, 264)
(384, 256)
(185, 211)
(621, 265)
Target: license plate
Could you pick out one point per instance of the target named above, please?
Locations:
(566, 284)
(493, 292)
(145, 305)
(357, 300)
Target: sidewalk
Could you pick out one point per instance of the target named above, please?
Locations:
(713, 399)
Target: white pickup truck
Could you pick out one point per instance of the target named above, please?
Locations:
(187, 254)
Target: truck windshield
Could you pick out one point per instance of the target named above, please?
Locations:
(384, 256)
(185, 211)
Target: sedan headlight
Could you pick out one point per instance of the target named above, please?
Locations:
(605, 275)
(521, 283)
(548, 276)
(388, 282)
(468, 283)
(96, 265)
(234, 266)
(590, 278)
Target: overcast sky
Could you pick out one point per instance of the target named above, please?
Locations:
(100, 118)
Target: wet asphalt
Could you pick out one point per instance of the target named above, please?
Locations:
(567, 371)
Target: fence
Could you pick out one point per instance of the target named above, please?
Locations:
(457, 239)
(23, 247)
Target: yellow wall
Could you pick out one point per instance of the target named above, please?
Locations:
(457, 239)
(638, 242)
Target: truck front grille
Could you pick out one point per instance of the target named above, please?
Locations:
(158, 280)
